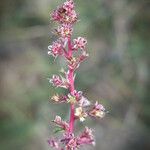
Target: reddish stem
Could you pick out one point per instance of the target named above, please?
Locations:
(71, 80)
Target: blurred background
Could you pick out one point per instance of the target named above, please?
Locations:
(116, 73)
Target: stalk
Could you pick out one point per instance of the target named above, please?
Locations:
(71, 79)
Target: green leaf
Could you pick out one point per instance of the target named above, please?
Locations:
(57, 130)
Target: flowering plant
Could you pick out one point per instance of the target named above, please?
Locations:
(74, 52)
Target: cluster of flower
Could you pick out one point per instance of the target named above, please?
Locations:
(66, 16)
(80, 106)
(83, 106)
(71, 142)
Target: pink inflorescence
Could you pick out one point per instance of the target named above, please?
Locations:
(74, 52)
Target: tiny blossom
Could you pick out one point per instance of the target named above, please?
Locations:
(71, 14)
(56, 81)
(99, 106)
(55, 49)
(70, 141)
(84, 102)
(65, 30)
(59, 98)
(60, 15)
(72, 144)
(65, 13)
(71, 99)
(72, 17)
(80, 114)
(83, 56)
(73, 63)
(68, 5)
(59, 81)
(97, 111)
(77, 94)
(86, 137)
(57, 15)
(79, 43)
(67, 137)
(64, 125)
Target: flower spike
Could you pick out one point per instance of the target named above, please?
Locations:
(74, 52)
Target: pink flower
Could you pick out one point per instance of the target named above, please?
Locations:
(99, 106)
(62, 124)
(65, 13)
(66, 137)
(65, 30)
(58, 14)
(55, 49)
(79, 43)
(59, 81)
(84, 102)
(86, 137)
(73, 63)
(83, 56)
(68, 5)
(72, 18)
(80, 113)
(97, 111)
(59, 98)
(56, 81)
(72, 144)
(77, 94)
(70, 141)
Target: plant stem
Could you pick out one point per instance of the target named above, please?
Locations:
(71, 80)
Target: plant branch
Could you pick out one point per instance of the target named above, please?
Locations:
(71, 79)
